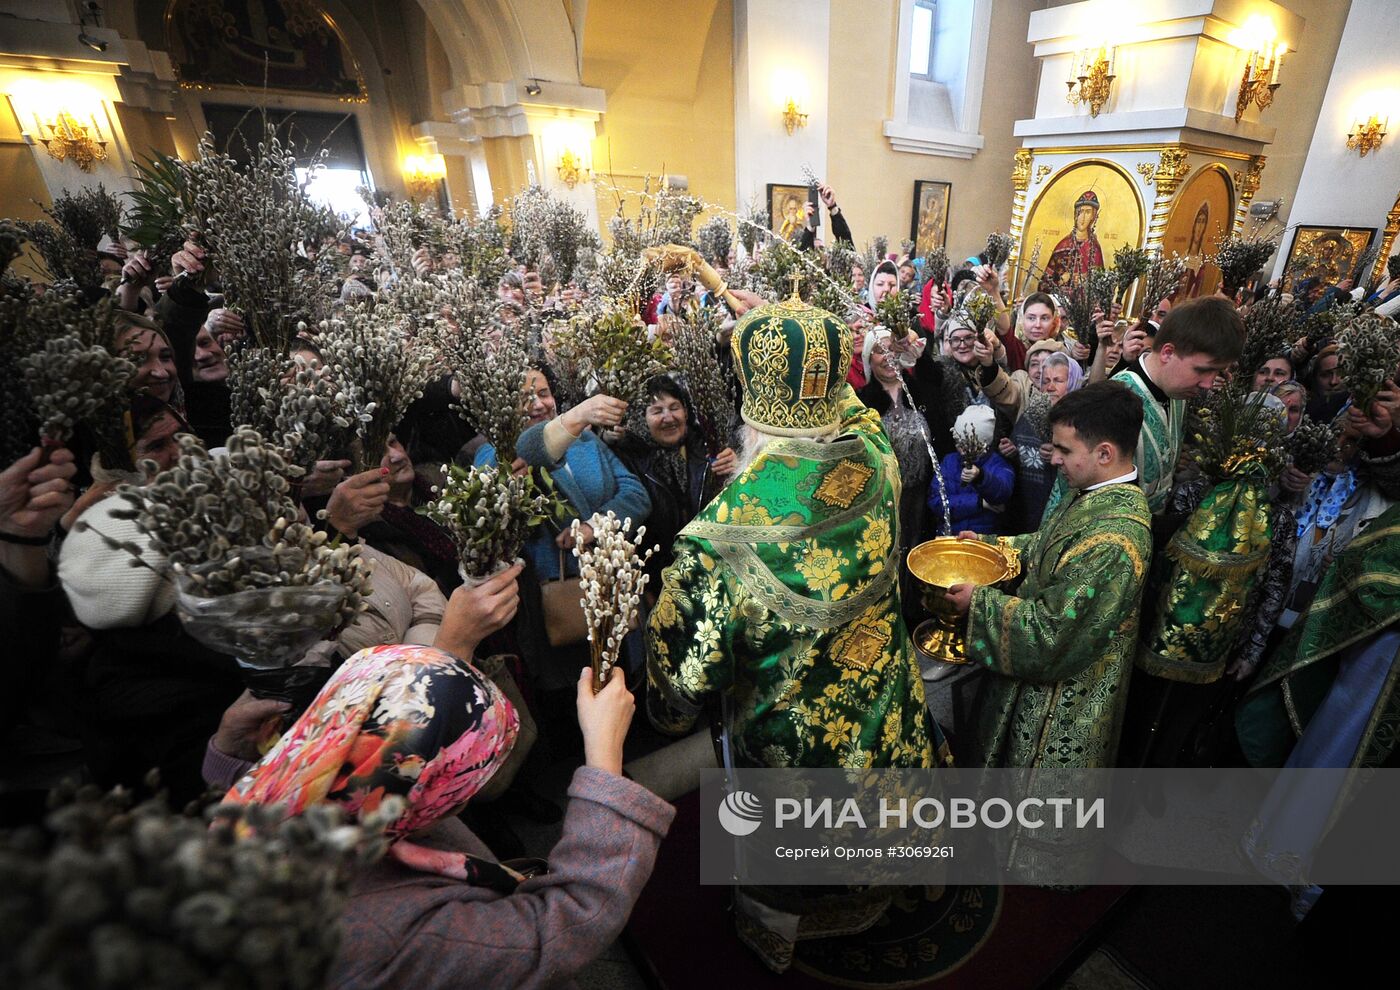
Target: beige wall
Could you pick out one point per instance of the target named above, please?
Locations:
(875, 184)
(667, 70)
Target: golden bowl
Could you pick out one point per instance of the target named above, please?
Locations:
(943, 562)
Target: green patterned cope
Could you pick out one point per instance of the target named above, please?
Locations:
(784, 594)
(1212, 563)
(1061, 648)
(1358, 598)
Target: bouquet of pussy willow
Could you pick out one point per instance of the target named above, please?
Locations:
(549, 235)
(612, 569)
(1129, 265)
(1269, 329)
(254, 219)
(113, 893)
(1237, 435)
(296, 408)
(378, 370)
(489, 359)
(1162, 277)
(607, 347)
(1313, 444)
(1240, 256)
(59, 368)
(1368, 351)
(489, 512)
(969, 444)
(694, 341)
(227, 523)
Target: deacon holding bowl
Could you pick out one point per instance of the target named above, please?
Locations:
(1060, 647)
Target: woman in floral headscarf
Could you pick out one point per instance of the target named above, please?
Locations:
(420, 724)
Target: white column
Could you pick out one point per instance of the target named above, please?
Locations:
(781, 50)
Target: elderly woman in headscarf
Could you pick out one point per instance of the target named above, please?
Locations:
(902, 402)
(422, 725)
(1052, 375)
(667, 451)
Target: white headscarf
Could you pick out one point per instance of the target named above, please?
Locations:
(872, 339)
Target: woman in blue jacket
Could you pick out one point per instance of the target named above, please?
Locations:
(566, 456)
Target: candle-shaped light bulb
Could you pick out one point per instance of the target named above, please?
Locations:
(1278, 62)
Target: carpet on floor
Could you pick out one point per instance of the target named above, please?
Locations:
(682, 934)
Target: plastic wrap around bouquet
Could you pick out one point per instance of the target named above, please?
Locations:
(267, 630)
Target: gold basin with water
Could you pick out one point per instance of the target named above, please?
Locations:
(943, 562)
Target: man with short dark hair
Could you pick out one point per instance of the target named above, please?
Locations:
(1060, 648)
(1197, 341)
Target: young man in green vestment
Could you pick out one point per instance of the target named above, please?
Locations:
(1196, 342)
(783, 601)
(1060, 648)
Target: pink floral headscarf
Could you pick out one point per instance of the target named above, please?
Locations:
(411, 721)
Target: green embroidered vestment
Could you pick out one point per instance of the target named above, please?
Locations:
(784, 593)
(1061, 648)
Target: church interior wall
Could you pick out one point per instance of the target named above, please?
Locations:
(875, 183)
(667, 70)
(1337, 187)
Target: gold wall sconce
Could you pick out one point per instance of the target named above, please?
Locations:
(1367, 137)
(572, 169)
(793, 117)
(1260, 78)
(422, 173)
(67, 138)
(1091, 78)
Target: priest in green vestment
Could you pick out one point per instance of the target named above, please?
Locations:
(784, 593)
(783, 600)
(1059, 649)
(1196, 342)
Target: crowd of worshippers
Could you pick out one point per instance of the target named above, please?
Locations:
(109, 685)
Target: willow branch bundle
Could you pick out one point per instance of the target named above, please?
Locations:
(1129, 265)
(613, 576)
(61, 358)
(549, 234)
(488, 360)
(228, 523)
(1161, 280)
(489, 513)
(1270, 328)
(693, 341)
(1368, 352)
(1240, 256)
(1313, 445)
(253, 220)
(295, 408)
(87, 215)
(998, 249)
(378, 372)
(109, 892)
(937, 266)
(969, 444)
(715, 239)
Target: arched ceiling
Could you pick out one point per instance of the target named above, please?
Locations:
(668, 66)
(507, 40)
